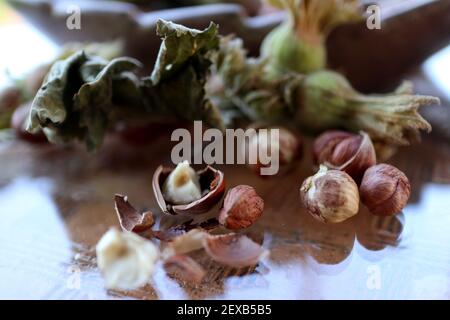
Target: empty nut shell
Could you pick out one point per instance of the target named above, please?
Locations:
(384, 190)
(234, 250)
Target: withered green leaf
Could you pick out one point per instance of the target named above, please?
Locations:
(85, 95)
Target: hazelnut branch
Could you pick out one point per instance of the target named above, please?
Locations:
(327, 100)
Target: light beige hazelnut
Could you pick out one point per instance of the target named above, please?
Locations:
(330, 195)
(182, 186)
(125, 259)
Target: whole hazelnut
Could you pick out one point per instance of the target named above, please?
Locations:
(340, 150)
(241, 207)
(384, 190)
(330, 195)
(288, 145)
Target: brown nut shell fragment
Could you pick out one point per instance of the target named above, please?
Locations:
(129, 218)
(185, 268)
(385, 190)
(241, 207)
(185, 243)
(212, 183)
(234, 250)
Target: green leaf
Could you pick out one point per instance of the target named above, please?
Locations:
(52, 105)
(94, 100)
(180, 44)
(245, 85)
(85, 95)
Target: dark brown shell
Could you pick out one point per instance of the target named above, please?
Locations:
(210, 179)
(129, 218)
(385, 190)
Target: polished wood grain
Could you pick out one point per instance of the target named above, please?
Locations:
(57, 202)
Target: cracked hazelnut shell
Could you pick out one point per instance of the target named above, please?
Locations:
(234, 250)
(212, 183)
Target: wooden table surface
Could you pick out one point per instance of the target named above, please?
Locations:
(57, 202)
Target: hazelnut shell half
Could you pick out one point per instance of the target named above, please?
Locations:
(211, 180)
(234, 250)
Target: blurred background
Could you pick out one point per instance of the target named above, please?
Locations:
(24, 46)
(414, 37)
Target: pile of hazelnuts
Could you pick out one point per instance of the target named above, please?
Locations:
(349, 173)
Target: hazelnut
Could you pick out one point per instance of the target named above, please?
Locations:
(340, 150)
(184, 191)
(182, 186)
(126, 260)
(288, 145)
(330, 195)
(241, 207)
(384, 190)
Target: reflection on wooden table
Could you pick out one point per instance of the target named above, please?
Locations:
(56, 204)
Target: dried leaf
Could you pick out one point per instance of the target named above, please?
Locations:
(85, 95)
(179, 45)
